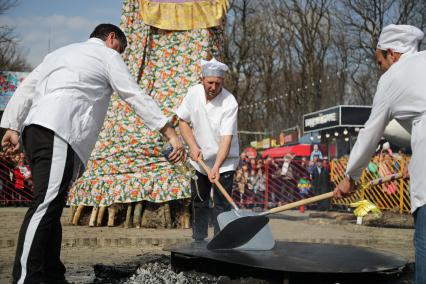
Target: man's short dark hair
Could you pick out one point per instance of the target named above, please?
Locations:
(103, 30)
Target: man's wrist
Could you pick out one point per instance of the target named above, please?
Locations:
(13, 130)
(168, 131)
(352, 180)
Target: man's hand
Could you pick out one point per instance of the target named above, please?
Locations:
(178, 152)
(345, 188)
(214, 174)
(405, 173)
(196, 154)
(10, 142)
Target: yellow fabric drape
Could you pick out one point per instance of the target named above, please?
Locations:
(183, 16)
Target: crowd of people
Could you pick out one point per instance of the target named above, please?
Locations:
(281, 180)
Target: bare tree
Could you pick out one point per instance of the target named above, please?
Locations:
(239, 49)
(308, 26)
(363, 21)
(291, 57)
(10, 58)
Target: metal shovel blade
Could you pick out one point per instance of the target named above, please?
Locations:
(263, 240)
(238, 232)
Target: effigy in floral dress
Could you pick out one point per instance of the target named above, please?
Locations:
(126, 164)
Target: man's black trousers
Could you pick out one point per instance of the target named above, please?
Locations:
(200, 195)
(38, 251)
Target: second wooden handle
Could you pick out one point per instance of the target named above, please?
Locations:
(219, 185)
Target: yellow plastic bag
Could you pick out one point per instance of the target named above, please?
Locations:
(363, 207)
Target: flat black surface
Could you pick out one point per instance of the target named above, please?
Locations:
(238, 232)
(294, 257)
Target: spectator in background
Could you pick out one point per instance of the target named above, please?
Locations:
(260, 165)
(25, 173)
(246, 173)
(326, 163)
(261, 180)
(316, 153)
(6, 178)
(304, 163)
(272, 173)
(303, 178)
(287, 170)
(241, 184)
(253, 181)
(321, 184)
(253, 164)
(243, 160)
(312, 165)
(19, 181)
(252, 187)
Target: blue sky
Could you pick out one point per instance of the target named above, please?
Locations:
(61, 21)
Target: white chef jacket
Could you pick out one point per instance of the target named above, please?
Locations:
(210, 120)
(69, 93)
(401, 94)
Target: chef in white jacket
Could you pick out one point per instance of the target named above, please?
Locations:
(58, 111)
(400, 95)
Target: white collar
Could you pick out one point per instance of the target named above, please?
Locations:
(96, 40)
(212, 100)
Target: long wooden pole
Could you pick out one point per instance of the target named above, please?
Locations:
(329, 195)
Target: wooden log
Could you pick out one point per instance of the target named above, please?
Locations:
(111, 215)
(167, 216)
(154, 215)
(72, 214)
(186, 217)
(137, 214)
(100, 216)
(93, 216)
(128, 222)
(77, 214)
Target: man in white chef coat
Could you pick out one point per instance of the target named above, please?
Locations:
(401, 94)
(57, 112)
(208, 124)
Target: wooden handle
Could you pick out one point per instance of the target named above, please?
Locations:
(299, 203)
(219, 185)
(382, 180)
(329, 195)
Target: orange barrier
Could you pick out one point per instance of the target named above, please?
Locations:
(395, 194)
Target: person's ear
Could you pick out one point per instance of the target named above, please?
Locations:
(110, 38)
(394, 56)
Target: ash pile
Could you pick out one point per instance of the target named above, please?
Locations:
(156, 268)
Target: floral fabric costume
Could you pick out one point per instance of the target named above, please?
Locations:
(126, 164)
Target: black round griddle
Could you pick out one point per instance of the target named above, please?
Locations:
(290, 258)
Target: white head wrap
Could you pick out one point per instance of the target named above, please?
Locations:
(400, 38)
(213, 68)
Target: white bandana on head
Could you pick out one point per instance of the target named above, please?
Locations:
(400, 38)
(213, 68)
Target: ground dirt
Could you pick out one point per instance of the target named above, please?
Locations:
(84, 246)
